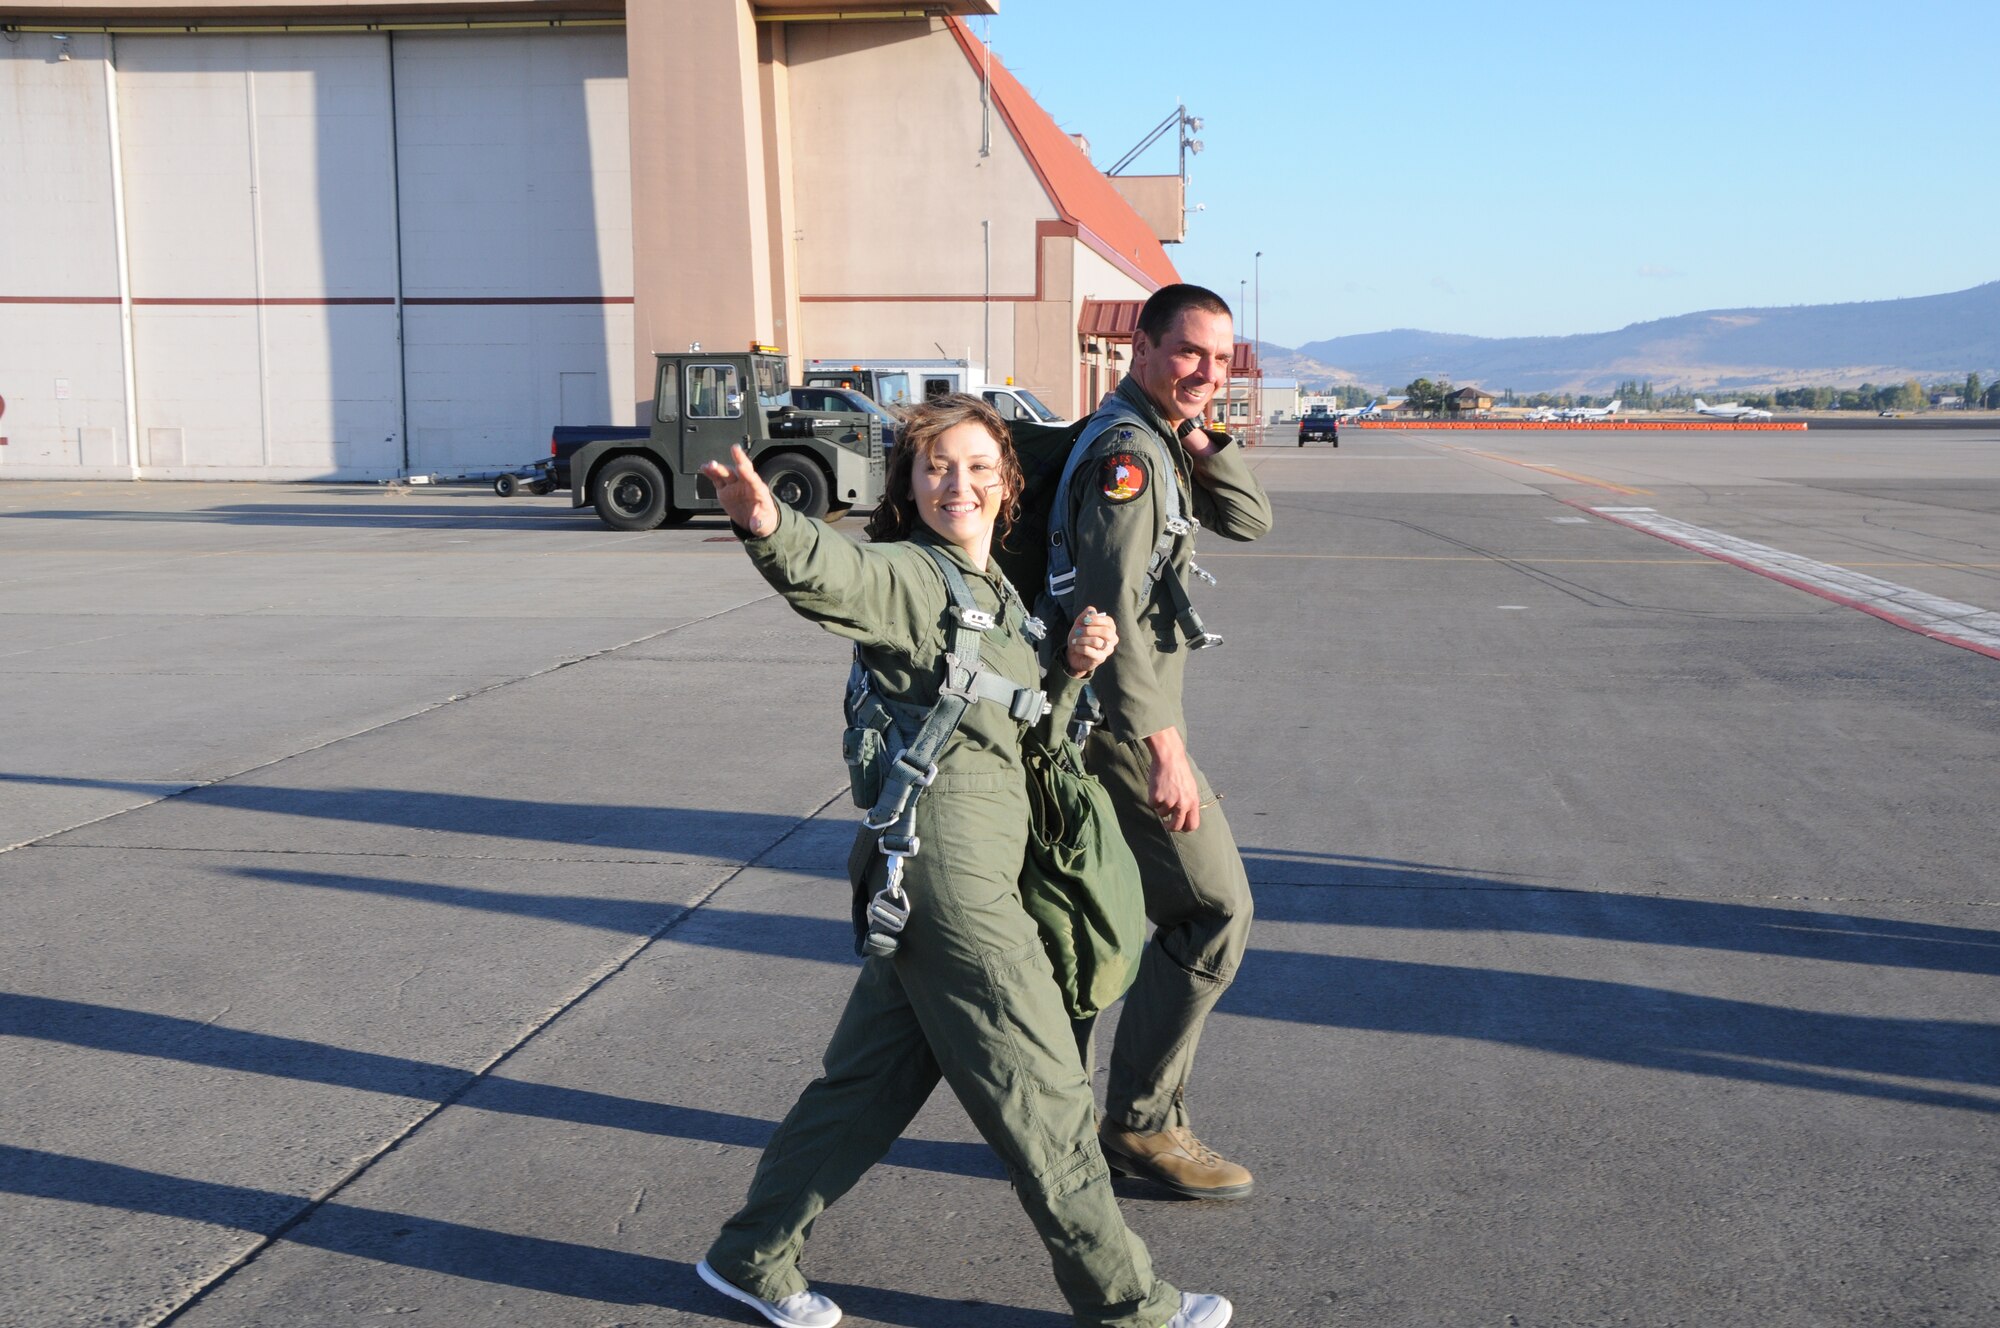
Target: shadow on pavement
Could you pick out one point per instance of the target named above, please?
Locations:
(781, 934)
(474, 512)
(1381, 892)
(136, 1033)
(1621, 1023)
(729, 835)
(531, 1263)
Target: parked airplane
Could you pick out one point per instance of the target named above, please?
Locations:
(1367, 412)
(1729, 410)
(1587, 413)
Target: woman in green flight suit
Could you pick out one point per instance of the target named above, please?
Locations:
(968, 994)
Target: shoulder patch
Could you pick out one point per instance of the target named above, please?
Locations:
(1122, 476)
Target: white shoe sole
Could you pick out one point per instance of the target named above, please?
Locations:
(763, 1307)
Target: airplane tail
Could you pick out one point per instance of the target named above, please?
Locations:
(1612, 409)
(1699, 404)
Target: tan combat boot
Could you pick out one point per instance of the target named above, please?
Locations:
(1173, 1157)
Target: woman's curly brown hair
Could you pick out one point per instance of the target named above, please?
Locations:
(896, 517)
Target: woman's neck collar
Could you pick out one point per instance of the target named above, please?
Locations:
(980, 560)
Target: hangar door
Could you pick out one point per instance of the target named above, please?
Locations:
(352, 254)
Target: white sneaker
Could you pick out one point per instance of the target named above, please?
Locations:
(809, 1309)
(1201, 1312)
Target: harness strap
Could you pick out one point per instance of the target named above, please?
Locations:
(1160, 567)
(1062, 571)
(961, 683)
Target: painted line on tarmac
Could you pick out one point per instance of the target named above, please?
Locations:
(1215, 554)
(1940, 619)
(1569, 475)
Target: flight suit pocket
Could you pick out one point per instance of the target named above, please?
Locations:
(866, 754)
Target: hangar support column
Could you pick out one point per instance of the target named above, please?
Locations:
(701, 229)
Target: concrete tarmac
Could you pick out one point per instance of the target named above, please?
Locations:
(424, 904)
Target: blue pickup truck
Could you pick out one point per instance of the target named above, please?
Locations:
(1318, 425)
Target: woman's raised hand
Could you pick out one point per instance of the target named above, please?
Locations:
(1091, 641)
(743, 493)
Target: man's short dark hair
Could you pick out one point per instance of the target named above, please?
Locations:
(1164, 307)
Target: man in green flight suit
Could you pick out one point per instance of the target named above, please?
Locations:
(1128, 555)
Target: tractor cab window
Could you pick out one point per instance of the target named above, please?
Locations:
(770, 382)
(714, 392)
(667, 400)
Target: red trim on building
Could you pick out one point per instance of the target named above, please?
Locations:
(1082, 196)
(517, 299)
(1113, 320)
(312, 301)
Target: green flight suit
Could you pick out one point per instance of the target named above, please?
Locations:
(969, 994)
(1197, 893)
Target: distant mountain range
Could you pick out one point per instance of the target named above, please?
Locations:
(1841, 345)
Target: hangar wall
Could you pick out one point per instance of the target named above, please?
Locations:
(62, 337)
(347, 254)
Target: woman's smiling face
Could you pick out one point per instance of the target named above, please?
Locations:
(960, 488)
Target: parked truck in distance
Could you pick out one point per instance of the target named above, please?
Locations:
(1319, 424)
(896, 384)
(899, 384)
(820, 462)
(1018, 403)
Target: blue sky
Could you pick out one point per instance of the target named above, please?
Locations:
(1545, 167)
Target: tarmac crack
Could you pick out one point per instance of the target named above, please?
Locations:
(589, 986)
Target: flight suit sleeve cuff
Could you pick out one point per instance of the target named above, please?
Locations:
(1128, 717)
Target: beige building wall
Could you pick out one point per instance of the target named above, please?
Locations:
(892, 186)
(897, 164)
(1045, 347)
(701, 198)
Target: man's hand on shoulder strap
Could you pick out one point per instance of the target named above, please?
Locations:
(1201, 442)
(1171, 788)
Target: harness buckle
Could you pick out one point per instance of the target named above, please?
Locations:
(920, 776)
(898, 846)
(888, 913)
(1034, 629)
(1179, 525)
(1029, 707)
(1201, 572)
(1205, 640)
(978, 620)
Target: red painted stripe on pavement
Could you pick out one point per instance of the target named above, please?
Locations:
(1831, 596)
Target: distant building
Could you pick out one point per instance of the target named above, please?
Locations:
(1281, 399)
(1241, 407)
(1468, 400)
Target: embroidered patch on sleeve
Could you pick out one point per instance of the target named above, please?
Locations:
(1122, 476)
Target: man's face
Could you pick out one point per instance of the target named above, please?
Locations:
(1182, 370)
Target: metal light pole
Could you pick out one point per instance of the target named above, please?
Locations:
(1242, 297)
(1257, 339)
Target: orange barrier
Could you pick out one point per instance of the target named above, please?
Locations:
(1677, 426)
